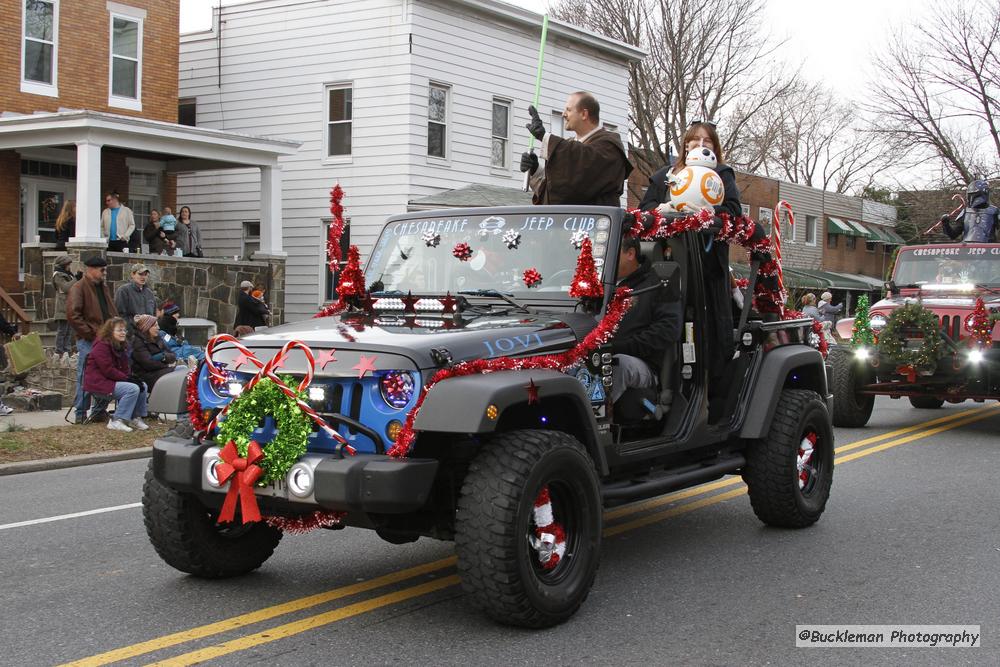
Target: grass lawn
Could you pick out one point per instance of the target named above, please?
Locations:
(56, 441)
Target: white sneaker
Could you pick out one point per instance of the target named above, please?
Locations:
(118, 425)
(140, 425)
(6, 410)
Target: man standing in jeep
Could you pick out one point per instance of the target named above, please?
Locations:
(588, 170)
(650, 325)
(978, 222)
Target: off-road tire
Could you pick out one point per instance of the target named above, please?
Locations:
(499, 570)
(850, 409)
(186, 536)
(926, 402)
(771, 472)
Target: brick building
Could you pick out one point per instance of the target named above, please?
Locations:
(89, 104)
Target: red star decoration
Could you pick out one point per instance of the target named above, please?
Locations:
(325, 357)
(366, 364)
(409, 303)
(240, 360)
(532, 391)
(448, 301)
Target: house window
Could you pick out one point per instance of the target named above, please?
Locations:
(831, 240)
(339, 114)
(187, 112)
(126, 57)
(850, 242)
(330, 283)
(764, 218)
(251, 238)
(787, 228)
(810, 230)
(556, 124)
(745, 208)
(501, 134)
(39, 53)
(869, 246)
(437, 121)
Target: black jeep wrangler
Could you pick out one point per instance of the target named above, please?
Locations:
(497, 455)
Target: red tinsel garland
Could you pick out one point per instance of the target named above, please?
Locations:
(333, 252)
(195, 415)
(817, 329)
(601, 334)
(305, 523)
(532, 277)
(586, 281)
(352, 279)
(331, 309)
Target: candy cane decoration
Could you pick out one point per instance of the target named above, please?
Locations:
(268, 371)
(961, 205)
(550, 537)
(776, 232)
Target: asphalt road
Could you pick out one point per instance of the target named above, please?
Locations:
(911, 536)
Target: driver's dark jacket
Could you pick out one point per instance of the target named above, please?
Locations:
(651, 324)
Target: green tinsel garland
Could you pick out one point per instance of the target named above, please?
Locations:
(293, 427)
(893, 346)
(861, 332)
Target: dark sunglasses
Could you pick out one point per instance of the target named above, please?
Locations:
(702, 122)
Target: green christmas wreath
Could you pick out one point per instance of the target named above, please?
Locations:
(892, 343)
(293, 426)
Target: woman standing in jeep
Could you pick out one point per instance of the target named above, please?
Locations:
(716, 260)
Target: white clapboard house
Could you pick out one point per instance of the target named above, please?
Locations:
(397, 100)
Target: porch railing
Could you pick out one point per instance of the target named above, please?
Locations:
(14, 314)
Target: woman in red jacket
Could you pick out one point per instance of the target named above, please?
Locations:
(108, 372)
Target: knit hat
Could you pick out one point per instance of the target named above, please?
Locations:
(169, 308)
(246, 284)
(144, 322)
(64, 260)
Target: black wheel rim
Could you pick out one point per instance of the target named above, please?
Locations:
(567, 511)
(810, 460)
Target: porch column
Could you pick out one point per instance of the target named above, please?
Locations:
(88, 194)
(270, 212)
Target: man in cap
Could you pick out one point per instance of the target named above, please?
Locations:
(88, 306)
(135, 297)
(250, 312)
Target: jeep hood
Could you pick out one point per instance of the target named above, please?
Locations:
(938, 301)
(405, 342)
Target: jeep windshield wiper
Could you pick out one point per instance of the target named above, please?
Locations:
(497, 294)
(389, 292)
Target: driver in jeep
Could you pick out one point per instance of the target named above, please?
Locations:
(647, 329)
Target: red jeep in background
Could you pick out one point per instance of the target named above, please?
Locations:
(947, 279)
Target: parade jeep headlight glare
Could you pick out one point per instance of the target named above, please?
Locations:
(862, 353)
(878, 321)
(317, 394)
(300, 480)
(235, 389)
(747, 339)
(397, 388)
(975, 356)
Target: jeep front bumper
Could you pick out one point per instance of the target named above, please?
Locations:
(369, 483)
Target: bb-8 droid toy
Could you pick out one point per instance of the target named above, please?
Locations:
(695, 187)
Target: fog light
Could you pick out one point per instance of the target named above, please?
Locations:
(975, 356)
(861, 353)
(392, 429)
(747, 339)
(317, 394)
(211, 475)
(235, 389)
(300, 480)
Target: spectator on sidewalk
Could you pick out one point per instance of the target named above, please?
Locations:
(250, 312)
(135, 297)
(62, 281)
(7, 329)
(110, 373)
(150, 357)
(88, 306)
(175, 343)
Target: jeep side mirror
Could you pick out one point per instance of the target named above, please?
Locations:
(890, 287)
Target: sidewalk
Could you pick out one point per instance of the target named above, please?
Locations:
(34, 419)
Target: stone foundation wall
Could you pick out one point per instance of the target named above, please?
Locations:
(54, 376)
(203, 287)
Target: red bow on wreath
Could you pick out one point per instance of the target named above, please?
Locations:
(909, 371)
(246, 474)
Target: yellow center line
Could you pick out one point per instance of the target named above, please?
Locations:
(261, 615)
(300, 604)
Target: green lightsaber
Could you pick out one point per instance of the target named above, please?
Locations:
(538, 86)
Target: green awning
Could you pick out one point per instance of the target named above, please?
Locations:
(862, 230)
(796, 278)
(879, 234)
(838, 226)
(896, 238)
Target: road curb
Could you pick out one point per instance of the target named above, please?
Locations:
(74, 461)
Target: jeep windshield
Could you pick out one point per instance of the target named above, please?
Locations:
(418, 254)
(949, 268)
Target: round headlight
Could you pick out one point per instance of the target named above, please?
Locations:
(211, 475)
(397, 388)
(300, 480)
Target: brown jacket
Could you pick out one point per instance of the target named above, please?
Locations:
(83, 309)
(588, 172)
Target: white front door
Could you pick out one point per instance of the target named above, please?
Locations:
(43, 200)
